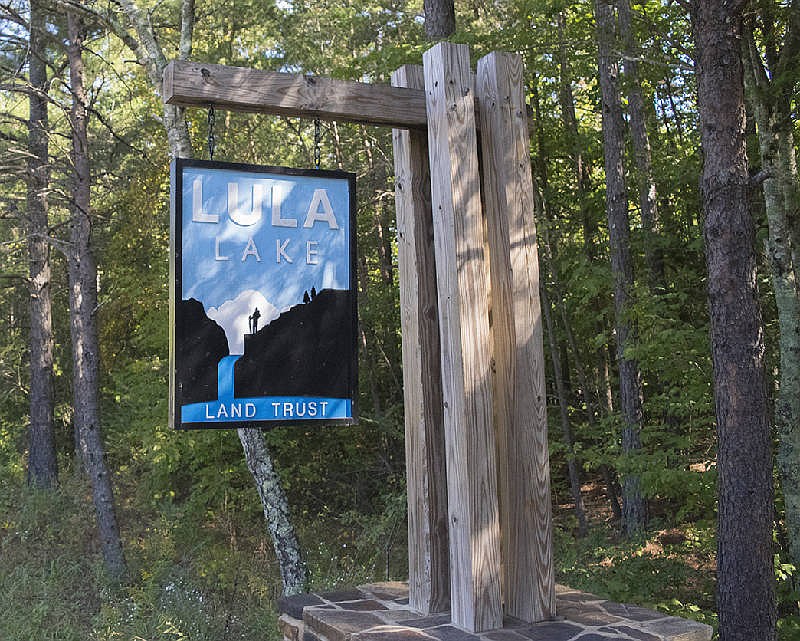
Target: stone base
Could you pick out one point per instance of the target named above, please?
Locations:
(379, 612)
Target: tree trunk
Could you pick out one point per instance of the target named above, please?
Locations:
(648, 203)
(440, 19)
(259, 461)
(771, 108)
(582, 170)
(82, 306)
(745, 578)
(566, 429)
(276, 511)
(540, 185)
(633, 506)
(42, 466)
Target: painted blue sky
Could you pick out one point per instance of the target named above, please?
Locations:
(241, 229)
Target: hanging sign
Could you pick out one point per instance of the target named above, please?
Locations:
(263, 297)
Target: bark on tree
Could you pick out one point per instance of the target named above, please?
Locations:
(770, 97)
(540, 187)
(259, 460)
(648, 202)
(566, 429)
(630, 384)
(82, 272)
(440, 19)
(276, 511)
(540, 203)
(745, 577)
(42, 465)
(582, 170)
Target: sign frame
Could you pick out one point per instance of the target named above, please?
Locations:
(177, 255)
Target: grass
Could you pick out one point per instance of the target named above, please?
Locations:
(194, 588)
(202, 574)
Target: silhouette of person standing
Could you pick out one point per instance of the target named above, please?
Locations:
(256, 315)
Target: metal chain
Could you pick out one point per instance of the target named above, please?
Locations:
(212, 117)
(317, 141)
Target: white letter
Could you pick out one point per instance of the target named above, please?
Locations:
(312, 408)
(217, 255)
(236, 410)
(198, 215)
(277, 221)
(222, 411)
(300, 404)
(251, 250)
(320, 198)
(275, 407)
(249, 410)
(324, 406)
(287, 409)
(311, 254)
(280, 250)
(208, 415)
(238, 214)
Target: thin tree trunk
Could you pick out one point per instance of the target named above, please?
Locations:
(82, 306)
(745, 577)
(42, 465)
(276, 512)
(633, 505)
(567, 105)
(566, 101)
(259, 461)
(772, 111)
(573, 474)
(566, 429)
(648, 203)
(440, 19)
(582, 179)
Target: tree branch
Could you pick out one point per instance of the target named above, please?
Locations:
(187, 29)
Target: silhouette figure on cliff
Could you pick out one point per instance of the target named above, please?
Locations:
(253, 321)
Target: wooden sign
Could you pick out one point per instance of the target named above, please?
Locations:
(263, 297)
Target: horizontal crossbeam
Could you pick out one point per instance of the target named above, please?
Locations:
(194, 84)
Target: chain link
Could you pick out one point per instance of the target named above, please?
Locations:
(317, 142)
(212, 117)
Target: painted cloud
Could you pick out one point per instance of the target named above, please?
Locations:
(233, 315)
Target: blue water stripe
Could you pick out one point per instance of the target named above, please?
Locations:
(225, 377)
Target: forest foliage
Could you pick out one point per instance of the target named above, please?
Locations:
(201, 564)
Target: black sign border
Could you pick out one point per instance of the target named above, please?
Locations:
(176, 286)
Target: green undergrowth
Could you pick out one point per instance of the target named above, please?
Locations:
(201, 571)
(668, 570)
(191, 581)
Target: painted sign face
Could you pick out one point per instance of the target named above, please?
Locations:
(263, 320)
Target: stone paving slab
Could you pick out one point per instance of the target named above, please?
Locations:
(379, 612)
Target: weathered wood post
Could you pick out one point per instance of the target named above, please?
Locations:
(519, 391)
(462, 280)
(428, 552)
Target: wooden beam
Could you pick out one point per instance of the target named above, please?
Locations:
(194, 84)
(464, 327)
(426, 476)
(520, 412)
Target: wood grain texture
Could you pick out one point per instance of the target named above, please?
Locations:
(241, 89)
(520, 411)
(426, 477)
(464, 327)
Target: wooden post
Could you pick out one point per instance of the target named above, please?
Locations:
(520, 412)
(426, 478)
(464, 325)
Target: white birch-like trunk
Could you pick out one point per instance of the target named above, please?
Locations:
(259, 461)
